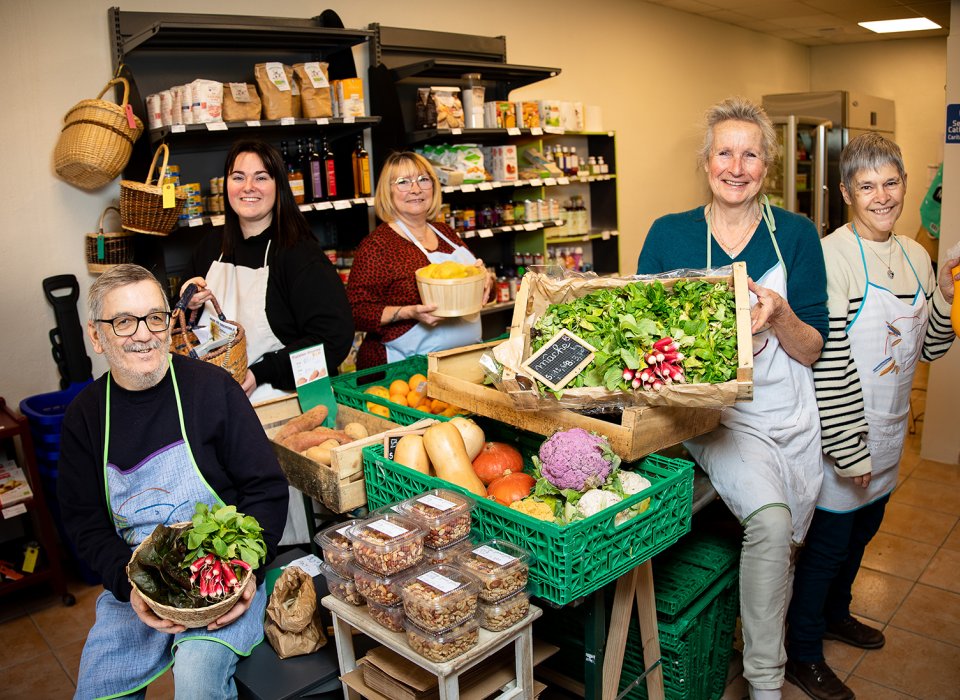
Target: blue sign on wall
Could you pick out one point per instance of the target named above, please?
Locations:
(953, 123)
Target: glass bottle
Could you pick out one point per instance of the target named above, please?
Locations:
(314, 173)
(361, 170)
(294, 176)
(329, 169)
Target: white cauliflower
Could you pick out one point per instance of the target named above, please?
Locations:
(632, 483)
(593, 501)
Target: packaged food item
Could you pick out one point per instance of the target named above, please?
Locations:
(440, 597)
(439, 108)
(387, 544)
(500, 567)
(499, 115)
(443, 645)
(314, 89)
(166, 107)
(385, 590)
(389, 616)
(504, 613)
(207, 101)
(296, 108)
(241, 103)
(154, 112)
(572, 116)
(341, 588)
(528, 114)
(443, 513)
(273, 81)
(550, 113)
(445, 555)
(348, 98)
(501, 163)
(337, 548)
(186, 104)
(472, 98)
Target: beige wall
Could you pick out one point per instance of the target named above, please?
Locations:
(652, 70)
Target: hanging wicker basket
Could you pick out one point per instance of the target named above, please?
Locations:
(183, 341)
(96, 140)
(106, 249)
(141, 203)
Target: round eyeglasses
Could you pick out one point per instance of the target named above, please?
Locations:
(126, 325)
(404, 184)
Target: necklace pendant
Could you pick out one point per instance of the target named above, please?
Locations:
(889, 273)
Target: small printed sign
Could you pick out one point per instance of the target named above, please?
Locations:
(313, 382)
(953, 123)
(560, 360)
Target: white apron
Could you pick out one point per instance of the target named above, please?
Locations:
(163, 488)
(242, 293)
(768, 450)
(450, 333)
(886, 338)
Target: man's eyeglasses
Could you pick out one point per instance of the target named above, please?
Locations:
(405, 183)
(126, 325)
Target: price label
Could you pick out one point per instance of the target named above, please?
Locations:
(549, 181)
(485, 233)
(560, 360)
(322, 121)
(253, 122)
(197, 221)
(553, 130)
(439, 581)
(287, 121)
(468, 188)
(349, 119)
(532, 226)
(456, 131)
(360, 200)
(536, 182)
(468, 234)
(485, 186)
(536, 131)
(369, 201)
(563, 181)
(341, 204)
(13, 511)
(321, 206)
(436, 502)
(218, 220)
(494, 555)
(388, 528)
(305, 207)
(178, 128)
(605, 235)
(513, 131)
(216, 126)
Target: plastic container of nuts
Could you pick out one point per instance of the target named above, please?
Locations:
(505, 613)
(337, 548)
(500, 567)
(440, 597)
(444, 514)
(447, 555)
(444, 645)
(389, 616)
(384, 590)
(341, 588)
(387, 543)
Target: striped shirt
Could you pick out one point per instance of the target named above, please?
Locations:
(835, 374)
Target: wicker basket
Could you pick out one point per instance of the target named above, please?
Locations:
(232, 356)
(141, 203)
(105, 249)
(96, 140)
(190, 617)
(461, 296)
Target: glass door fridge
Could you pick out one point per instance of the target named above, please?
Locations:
(797, 181)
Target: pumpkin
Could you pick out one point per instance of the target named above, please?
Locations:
(511, 487)
(497, 459)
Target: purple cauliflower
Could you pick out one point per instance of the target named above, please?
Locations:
(576, 459)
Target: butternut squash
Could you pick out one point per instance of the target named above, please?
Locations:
(411, 453)
(448, 455)
(472, 434)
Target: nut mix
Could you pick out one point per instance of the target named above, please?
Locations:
(385, 590)
(499, 566)
(386, 544)
(337, 549)
(445, 645)
(389, 616)
(506, 613)
(342, 588)
(447, 555)
(444, 514)
(440, 597)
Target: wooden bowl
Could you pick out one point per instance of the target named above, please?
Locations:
(461, 296)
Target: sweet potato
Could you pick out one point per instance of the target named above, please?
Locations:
(307, 421)
(311, 438)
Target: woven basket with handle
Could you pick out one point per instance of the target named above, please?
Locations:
(141, 203)
(96, 140)
(106, 249)
(232, 356)
(189, 617)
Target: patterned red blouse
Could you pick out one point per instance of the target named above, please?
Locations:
(383, 275)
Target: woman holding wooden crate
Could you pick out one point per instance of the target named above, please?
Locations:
(764, 459)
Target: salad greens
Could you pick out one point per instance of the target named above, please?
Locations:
(623, 323)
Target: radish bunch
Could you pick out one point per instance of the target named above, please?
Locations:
(215, 577)
(663, 367)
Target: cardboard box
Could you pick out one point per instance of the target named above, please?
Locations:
(339, 485)
(348, 98)
(501, 162)
(14, 487)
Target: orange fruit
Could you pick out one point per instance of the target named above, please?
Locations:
(438, 406)
(377, 390)
(378, 410)
(399, 398)
(398, 386)
(418, 383)
(450, 411)
(414, 399)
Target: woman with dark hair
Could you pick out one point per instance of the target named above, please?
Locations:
(270, 274)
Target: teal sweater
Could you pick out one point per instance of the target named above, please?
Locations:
(678, 241)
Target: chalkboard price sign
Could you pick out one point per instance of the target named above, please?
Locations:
(560, 360)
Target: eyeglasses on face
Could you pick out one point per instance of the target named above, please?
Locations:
(126, 325)
(403, 184)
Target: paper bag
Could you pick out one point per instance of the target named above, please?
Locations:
(292, 625)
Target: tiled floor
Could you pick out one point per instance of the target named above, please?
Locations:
(909, 586)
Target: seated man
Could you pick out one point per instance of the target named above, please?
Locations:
(141, 446)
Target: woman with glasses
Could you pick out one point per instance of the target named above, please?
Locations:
(269, 273)
(383, 288)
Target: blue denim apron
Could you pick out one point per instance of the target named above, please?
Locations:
(121, 654)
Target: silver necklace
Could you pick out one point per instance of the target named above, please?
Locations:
(893, 239)
(735, 246)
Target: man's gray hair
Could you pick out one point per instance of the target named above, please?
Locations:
(114, 278)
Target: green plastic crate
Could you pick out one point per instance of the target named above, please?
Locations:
(689, 568)
(576, 559)
(348, 389)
